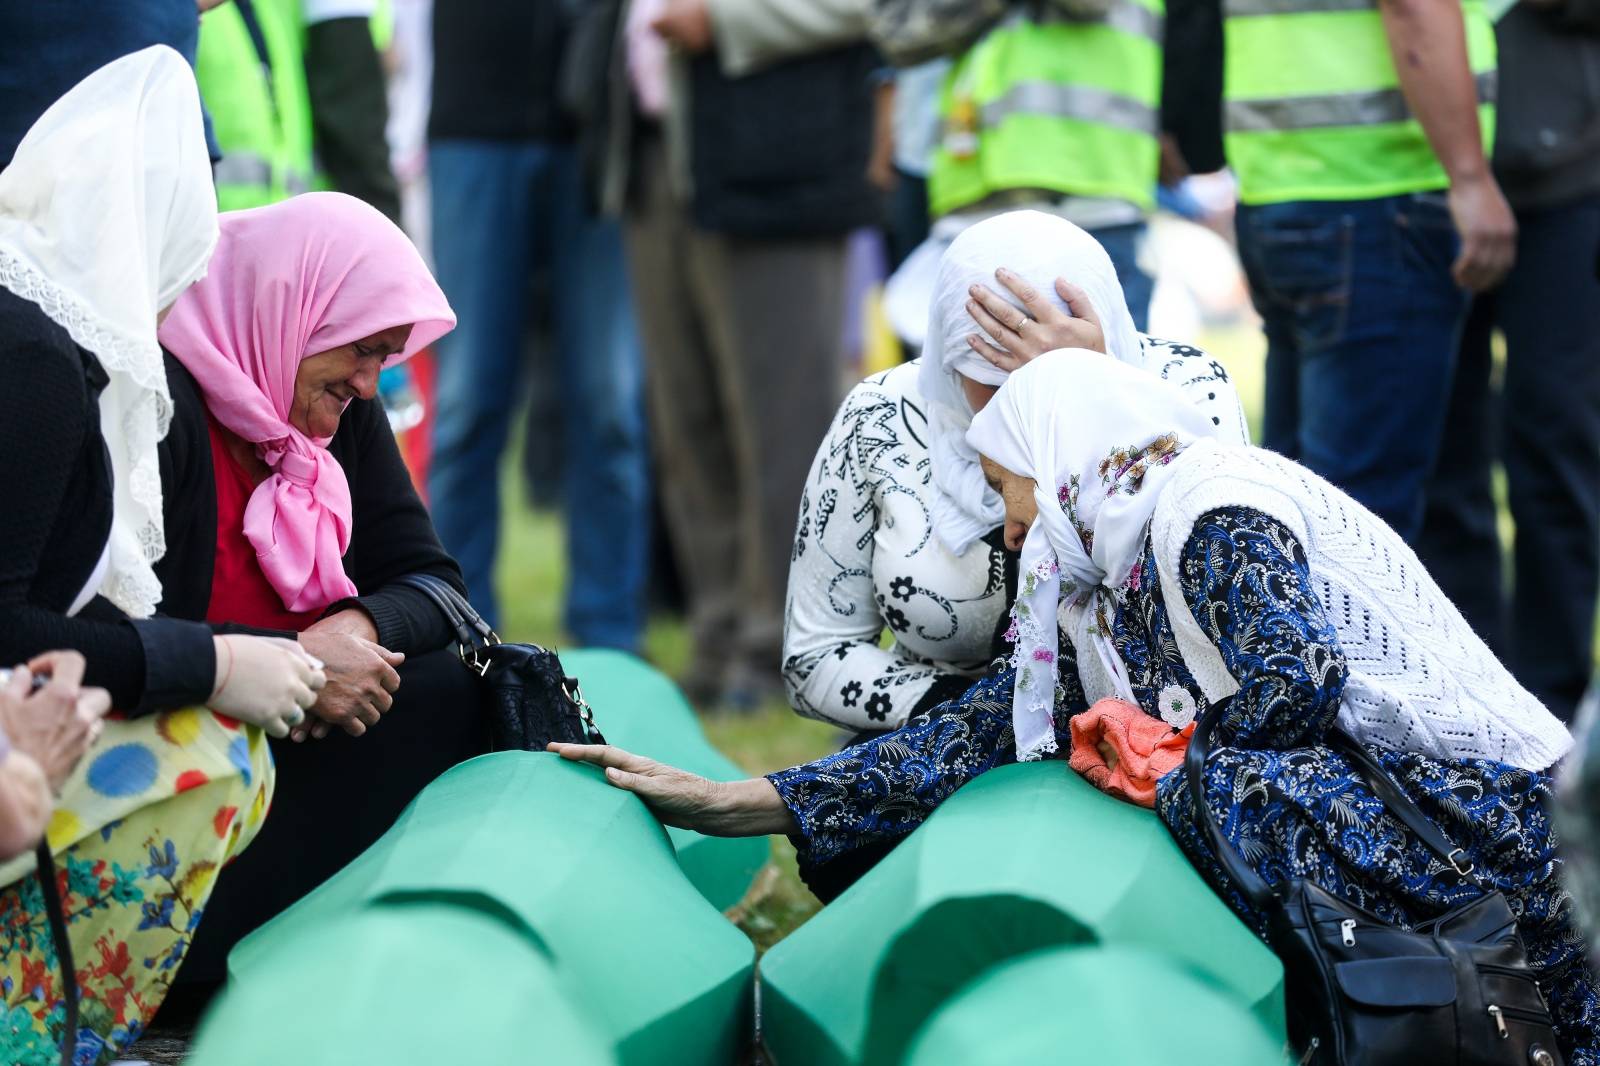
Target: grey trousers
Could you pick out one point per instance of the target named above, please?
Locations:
(742, 345)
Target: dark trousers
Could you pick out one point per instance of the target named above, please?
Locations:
(742, 349)
(1362, 321)
(1545, 425)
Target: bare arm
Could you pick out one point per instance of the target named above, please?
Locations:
(1429, 43)
(747, 808)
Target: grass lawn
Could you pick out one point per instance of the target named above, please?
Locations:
(531, 579)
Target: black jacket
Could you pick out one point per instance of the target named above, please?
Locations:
(776, 154)
(56, 478)
(495, 65)
(783, 152)
(391, 533)
(1547, 133)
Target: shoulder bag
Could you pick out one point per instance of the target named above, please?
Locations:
(1361, 992)
(531, 700)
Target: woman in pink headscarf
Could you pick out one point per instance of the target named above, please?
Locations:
(288, 511)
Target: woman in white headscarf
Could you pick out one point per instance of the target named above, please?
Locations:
(897, 528)
(106, 215)
(1225, 583)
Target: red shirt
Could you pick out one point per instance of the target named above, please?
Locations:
(240, 591)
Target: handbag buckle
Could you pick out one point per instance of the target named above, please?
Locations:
(474, 656)
(585, 712)
(1460, 863)
(473, 659)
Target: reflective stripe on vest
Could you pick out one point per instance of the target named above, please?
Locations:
(1132, 19)
(1313, 106)
(1061, 105)
(1335, 109)
(245, 168)
(1084, 102)
(1245, 8)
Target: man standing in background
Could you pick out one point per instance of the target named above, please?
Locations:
(508, 198)
(294, 84)
(1545, 424)
(1367, 210)
(735, 138)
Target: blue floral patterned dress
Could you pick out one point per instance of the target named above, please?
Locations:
(1291, 805)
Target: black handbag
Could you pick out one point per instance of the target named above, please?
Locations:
(531, 701)
(1361, 992)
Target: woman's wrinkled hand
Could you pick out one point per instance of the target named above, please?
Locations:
(266, 681)
(685, 800)
(1021, 335)
(57, 723)
(363, 677)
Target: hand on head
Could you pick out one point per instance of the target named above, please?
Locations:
(266, 681)
(55, 724)
(1018, 335)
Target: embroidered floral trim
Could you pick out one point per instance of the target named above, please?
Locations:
(1032, 655)
(1067, 497)
(1123, 469)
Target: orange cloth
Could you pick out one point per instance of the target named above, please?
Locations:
(1145, 748)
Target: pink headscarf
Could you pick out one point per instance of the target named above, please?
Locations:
(289, 281)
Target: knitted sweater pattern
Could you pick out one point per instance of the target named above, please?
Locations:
(1420, 680)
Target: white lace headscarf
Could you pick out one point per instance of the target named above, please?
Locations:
(1096, 436)
(107, 213)
(1039, 248)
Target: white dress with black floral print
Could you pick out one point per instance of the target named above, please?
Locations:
(866, 559)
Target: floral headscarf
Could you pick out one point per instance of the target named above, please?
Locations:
(1096, 436)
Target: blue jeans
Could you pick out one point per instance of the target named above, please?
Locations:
(1122, 245)
(1362, 321)
(502, 210)
(1545, 425)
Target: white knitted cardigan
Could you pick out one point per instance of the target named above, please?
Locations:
(1419, 679)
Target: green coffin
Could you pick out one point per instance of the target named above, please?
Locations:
(1093, 1004)
(637, 708)
(580, 870)
(404, 982)
(1024, 858)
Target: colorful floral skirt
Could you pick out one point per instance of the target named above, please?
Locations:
(141, 830)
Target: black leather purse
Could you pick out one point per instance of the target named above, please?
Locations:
(1360, 992)
(531, 700)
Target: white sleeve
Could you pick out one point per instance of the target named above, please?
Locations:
(833, 666)
(315, 11)
(1205, 381)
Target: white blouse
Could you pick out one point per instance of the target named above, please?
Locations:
(865, 557)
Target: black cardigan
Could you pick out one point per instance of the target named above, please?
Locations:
(391, 534)
(55, 478)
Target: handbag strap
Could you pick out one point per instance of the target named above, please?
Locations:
(1399, 804)
(1377, 778)
(472, 632)
(58, 937)
(1194, 768)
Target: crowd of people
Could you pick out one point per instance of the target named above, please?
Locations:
(226, 686)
